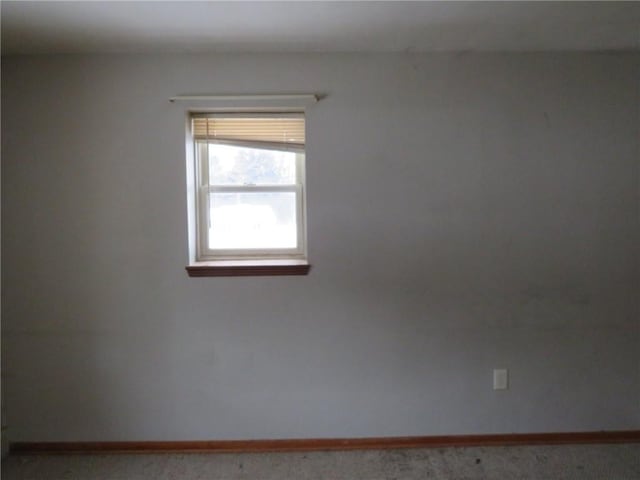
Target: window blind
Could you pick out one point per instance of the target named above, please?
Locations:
(275, 131)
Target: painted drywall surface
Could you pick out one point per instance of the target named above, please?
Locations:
(465, 212)
(4, 443)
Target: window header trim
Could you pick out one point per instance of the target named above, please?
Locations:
(309, 97)
(244, 103)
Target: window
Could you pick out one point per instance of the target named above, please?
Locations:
(249, 189)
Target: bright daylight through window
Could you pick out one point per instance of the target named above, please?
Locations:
(250, 186)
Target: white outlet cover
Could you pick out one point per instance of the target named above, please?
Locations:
(500, 379)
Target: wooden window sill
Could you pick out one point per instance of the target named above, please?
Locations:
(248, 268)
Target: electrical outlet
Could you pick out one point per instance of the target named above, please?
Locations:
(500, 379)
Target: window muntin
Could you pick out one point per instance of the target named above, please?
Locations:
(250, 196)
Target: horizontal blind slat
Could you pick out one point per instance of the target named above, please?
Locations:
(284, 130)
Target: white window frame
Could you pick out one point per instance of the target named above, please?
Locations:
(203, 189)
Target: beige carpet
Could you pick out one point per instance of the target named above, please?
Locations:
(567, 462)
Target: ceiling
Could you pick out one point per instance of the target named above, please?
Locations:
(97, 27)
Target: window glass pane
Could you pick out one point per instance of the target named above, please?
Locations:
(252, 220)
(231, 165)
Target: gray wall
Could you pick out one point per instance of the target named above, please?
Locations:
(465, 212)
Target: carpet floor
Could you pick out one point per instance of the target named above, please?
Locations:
(565, 462)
